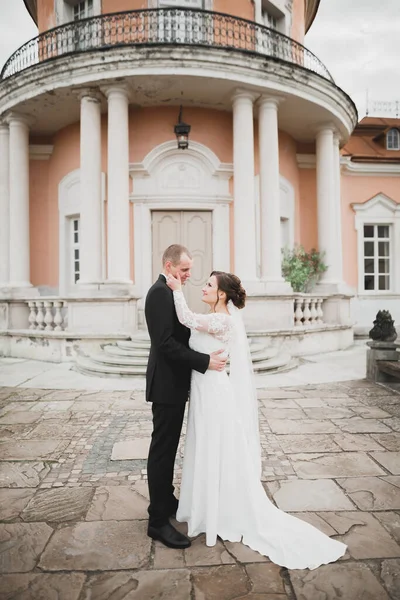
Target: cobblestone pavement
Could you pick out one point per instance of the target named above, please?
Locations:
(73, 498)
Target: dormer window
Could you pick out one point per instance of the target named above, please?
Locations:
(393, 139)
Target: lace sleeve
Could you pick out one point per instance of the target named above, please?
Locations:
(217, 324)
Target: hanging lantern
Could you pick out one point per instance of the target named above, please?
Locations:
(182, 131)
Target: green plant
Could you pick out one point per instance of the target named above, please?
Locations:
(302, 269)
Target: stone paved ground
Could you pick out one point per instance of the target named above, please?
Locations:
(73, 498)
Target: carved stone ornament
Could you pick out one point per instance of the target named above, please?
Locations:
(383, 329)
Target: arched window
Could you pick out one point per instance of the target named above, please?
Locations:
(393, 139)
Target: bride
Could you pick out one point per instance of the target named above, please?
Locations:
(221, 492)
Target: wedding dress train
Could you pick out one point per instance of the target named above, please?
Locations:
(221, 492)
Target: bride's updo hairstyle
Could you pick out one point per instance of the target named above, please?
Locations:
(232, 286)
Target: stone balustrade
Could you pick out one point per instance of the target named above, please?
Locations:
(47, 314)
(308, 310)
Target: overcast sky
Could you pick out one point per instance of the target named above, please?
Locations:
(358, 41)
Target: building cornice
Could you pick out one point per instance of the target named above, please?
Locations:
(40, 151)
(308, 161)
(369, 168)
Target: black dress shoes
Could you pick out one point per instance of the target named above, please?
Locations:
(169, 536)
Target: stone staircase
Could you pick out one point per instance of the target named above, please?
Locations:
(129, 359)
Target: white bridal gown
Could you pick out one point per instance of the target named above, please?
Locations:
(221, 492)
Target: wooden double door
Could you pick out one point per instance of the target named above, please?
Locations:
(192, 229)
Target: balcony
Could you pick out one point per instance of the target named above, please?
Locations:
(162, 27)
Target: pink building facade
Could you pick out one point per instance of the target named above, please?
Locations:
(93, 185)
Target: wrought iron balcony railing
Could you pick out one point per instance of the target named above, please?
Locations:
(159, 27)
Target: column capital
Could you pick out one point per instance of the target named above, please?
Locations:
(241, 94)
(88, 92)
(325, 128)
(13, 118)
(336, 138)
(116, 90)
(273, 101)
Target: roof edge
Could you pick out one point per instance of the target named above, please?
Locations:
(311, 9)
(31, 7)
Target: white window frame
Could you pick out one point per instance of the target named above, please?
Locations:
(379, 210)
(64, 10)
(393, 139)
(69, 207)
(72, 247)
(88, 9)
(375, 241)
(277, 10)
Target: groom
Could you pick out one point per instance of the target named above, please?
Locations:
(167, 387)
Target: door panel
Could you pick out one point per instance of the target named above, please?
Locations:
(166, 229)
(193, 230)
(197, 231)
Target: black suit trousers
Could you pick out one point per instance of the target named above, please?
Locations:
(167, 427)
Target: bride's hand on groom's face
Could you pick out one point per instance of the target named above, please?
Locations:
(174, 283)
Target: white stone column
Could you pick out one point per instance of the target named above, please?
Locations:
(338, 205)
(4, 205)
(19, 248)
(90, 189)
(244, 197)
(270, 209)
(327, 206)
(118, 245)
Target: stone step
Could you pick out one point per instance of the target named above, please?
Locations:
(127, 361)
(108, 366)
(135, 343)
(88, 367)
(278, 362)
(139, 343)
(112, 350)
(115, 356)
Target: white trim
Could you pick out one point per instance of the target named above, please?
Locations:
(379, 210)
(69, 206)
(212, 182)
(40, 151)
(287, 212)
(371, 168)
(148, 195)
(306, 161)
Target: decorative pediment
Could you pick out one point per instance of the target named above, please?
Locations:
(379, 206)
(195, 175)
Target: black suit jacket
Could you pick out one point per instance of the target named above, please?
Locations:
(171, 360)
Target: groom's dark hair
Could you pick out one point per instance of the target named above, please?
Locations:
(174, 253)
